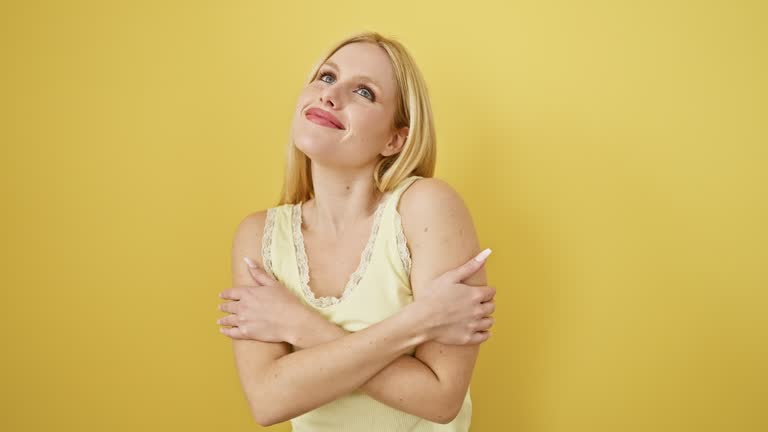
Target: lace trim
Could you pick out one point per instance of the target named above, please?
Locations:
(402, 241)
(402, 246)
(303, 265)
(266, 242)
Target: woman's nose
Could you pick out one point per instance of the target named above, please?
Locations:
(325, 100)
(329, 96)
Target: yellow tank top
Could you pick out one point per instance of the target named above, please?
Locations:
(376, 290)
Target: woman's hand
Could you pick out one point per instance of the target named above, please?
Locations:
(458, 314)
(268, 312)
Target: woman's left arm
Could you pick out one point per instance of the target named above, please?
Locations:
(437, 372)
(386, 386)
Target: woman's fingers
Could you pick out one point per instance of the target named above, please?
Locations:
(228, 307)
(230, 320)
(234, 332)
(235, 293)
(488, 307)
(486, 293)
(485, 323)
(468, 268)
(480, 337)
(258, 274)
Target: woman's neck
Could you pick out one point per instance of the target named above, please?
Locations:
(341, 202)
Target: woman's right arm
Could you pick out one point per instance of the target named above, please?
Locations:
(280, 385)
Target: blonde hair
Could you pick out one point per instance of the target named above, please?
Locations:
(418, 155)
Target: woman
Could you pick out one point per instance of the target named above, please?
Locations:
(384, 339)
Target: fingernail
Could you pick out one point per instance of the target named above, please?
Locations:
(483, 255)
(249, 262)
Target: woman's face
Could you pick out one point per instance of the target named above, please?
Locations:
(357, 86)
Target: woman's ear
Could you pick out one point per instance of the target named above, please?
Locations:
(397, 142)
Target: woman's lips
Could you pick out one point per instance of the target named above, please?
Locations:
(316, 114)
(321, 121)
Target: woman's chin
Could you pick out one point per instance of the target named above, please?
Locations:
(317, 148)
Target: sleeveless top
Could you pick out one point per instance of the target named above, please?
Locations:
(379, 288)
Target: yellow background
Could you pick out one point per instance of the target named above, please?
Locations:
(613, 154)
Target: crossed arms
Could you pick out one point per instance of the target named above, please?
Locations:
(280, 384)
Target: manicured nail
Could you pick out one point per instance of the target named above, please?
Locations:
(483, 255)
(249, 262)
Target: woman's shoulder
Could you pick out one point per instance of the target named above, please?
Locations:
(428, 201)
(253, 235)
(252, 225)
(439, 230)
(426, 192)
(250, 230)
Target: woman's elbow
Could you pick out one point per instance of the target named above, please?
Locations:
(446, 412)
(268, 411)
(260, 416)
(264, 410)
(264, 415)
(442, 419)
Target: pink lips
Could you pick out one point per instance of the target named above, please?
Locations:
(323, 117)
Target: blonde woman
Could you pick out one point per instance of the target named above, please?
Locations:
(359, 301)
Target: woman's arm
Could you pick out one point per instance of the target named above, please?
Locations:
(423, 395)
(409, 383)
(441, 236)
(280, 385)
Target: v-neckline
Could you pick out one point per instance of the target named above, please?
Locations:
(302, 262)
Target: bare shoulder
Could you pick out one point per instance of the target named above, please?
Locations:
(426, 191)
(438, 227)
(247, 242)
(252, 223)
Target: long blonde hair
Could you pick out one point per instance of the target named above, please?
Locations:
(414, 110)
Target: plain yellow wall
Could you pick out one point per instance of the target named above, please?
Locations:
(613, 154)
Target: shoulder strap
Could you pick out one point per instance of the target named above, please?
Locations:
(394, 220)
(266, 240)
(275, 225)
(399, 189)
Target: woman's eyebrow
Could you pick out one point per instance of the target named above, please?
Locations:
(369, 79)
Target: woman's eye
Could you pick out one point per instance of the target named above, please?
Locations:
(324, 74)
(368, 93)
